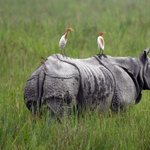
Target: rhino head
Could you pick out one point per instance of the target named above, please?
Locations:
(145, 62)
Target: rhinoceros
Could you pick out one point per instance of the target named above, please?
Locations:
(102, 83)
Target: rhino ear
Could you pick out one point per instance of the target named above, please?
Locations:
(143, 56)
(147, 51)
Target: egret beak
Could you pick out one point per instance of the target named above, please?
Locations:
(104, 33)
(72, 30)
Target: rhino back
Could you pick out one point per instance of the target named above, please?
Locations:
(93, 80)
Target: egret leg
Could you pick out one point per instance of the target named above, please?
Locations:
(64, 52)
(61, 52)
(100, 52)
(104, 55)
(99, 55)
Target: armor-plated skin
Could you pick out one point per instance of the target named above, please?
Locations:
(112, 82)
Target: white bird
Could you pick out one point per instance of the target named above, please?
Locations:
(100, 41)
(63, 40)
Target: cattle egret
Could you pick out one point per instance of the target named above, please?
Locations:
(100, 41)
(63, 40)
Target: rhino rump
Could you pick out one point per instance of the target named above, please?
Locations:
(54, 92)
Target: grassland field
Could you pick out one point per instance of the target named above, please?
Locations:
(30, 30)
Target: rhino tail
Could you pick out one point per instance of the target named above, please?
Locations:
(34, 90)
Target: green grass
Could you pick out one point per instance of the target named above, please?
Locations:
(31, 29)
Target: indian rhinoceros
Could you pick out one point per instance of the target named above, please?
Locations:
(97, 82)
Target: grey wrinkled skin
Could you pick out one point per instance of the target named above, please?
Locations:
(96, 83)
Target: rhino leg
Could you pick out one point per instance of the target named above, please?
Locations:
(125, 91)
(60, 94)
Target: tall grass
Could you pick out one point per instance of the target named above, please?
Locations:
(31, 29)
